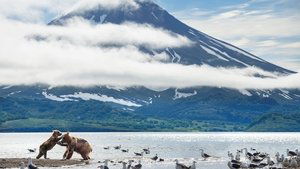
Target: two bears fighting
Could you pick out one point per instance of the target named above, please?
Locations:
(79, 145)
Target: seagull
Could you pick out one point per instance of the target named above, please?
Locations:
(253, 166)
(248, 155)
(262, 165)
(154, 158)
(257, 160)
(278, 158)
(160, 160)
(262, 155)
(129, 164)
(139, 154)
(297, 152)
(124, 165)
(138, 166)
(238, 156)
(233, 165)
(291, 153)
(256, 153)
(286, 162)
(233, 160)
(118, 147)
(180, 166)
(204, 155)
(146, 150)
(31, 150)
(293, 163)
(269, 161)
(193, 166)
(30, 165)
(105, 166)
(125, 151)
(106, 148)
(22, 165)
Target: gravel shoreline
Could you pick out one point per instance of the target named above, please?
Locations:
(15, 162)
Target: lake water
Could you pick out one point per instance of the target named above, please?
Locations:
(169, 146)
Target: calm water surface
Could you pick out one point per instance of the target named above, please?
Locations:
(169, 146)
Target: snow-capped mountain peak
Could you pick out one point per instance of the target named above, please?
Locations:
(205, 51)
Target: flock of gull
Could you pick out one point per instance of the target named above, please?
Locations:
(129, 164)
(253, 159)
(242, 159)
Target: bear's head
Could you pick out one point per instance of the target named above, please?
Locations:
(56, 133)
(66, 138)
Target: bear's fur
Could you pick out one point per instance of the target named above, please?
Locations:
(79, 145)
(49, 144)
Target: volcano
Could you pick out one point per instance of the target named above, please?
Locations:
(206, 51)
(110, 108)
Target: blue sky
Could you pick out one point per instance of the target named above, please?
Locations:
(267, 28)
(175, 5)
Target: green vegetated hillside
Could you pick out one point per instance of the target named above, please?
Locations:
(210, 110)
(276, 122)
(23, 114)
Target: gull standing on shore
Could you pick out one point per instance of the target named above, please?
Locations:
(30, 165)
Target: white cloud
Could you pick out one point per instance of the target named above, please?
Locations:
(83, 5)
(272, 49)
(292, 45)
(58, 62)
(232, 24)
(80, 32)
(33, 10)
(44, 11)
(77, 55)
(293, 64)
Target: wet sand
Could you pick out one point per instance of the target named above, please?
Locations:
(15, 162)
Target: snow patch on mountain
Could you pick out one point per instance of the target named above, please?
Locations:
(241, 51)
(267, 93)
(176, 58)
(102, 18)
(263, 93)
(102, 98)
(147, 102)
(153, 14)
(12, 93)
(7, 87)
(225, 54)
(89, 96)
(245, 92)
(55, 98)
(210, 51)
(92, 18)
(285, 94)
(192, 32)
(117, 88)
(179, 95)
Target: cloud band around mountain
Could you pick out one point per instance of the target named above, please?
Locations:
(79, 61)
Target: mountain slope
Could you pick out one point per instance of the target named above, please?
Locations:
(206, 50)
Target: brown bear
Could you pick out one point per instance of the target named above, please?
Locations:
(49, 144)
(79, 145)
